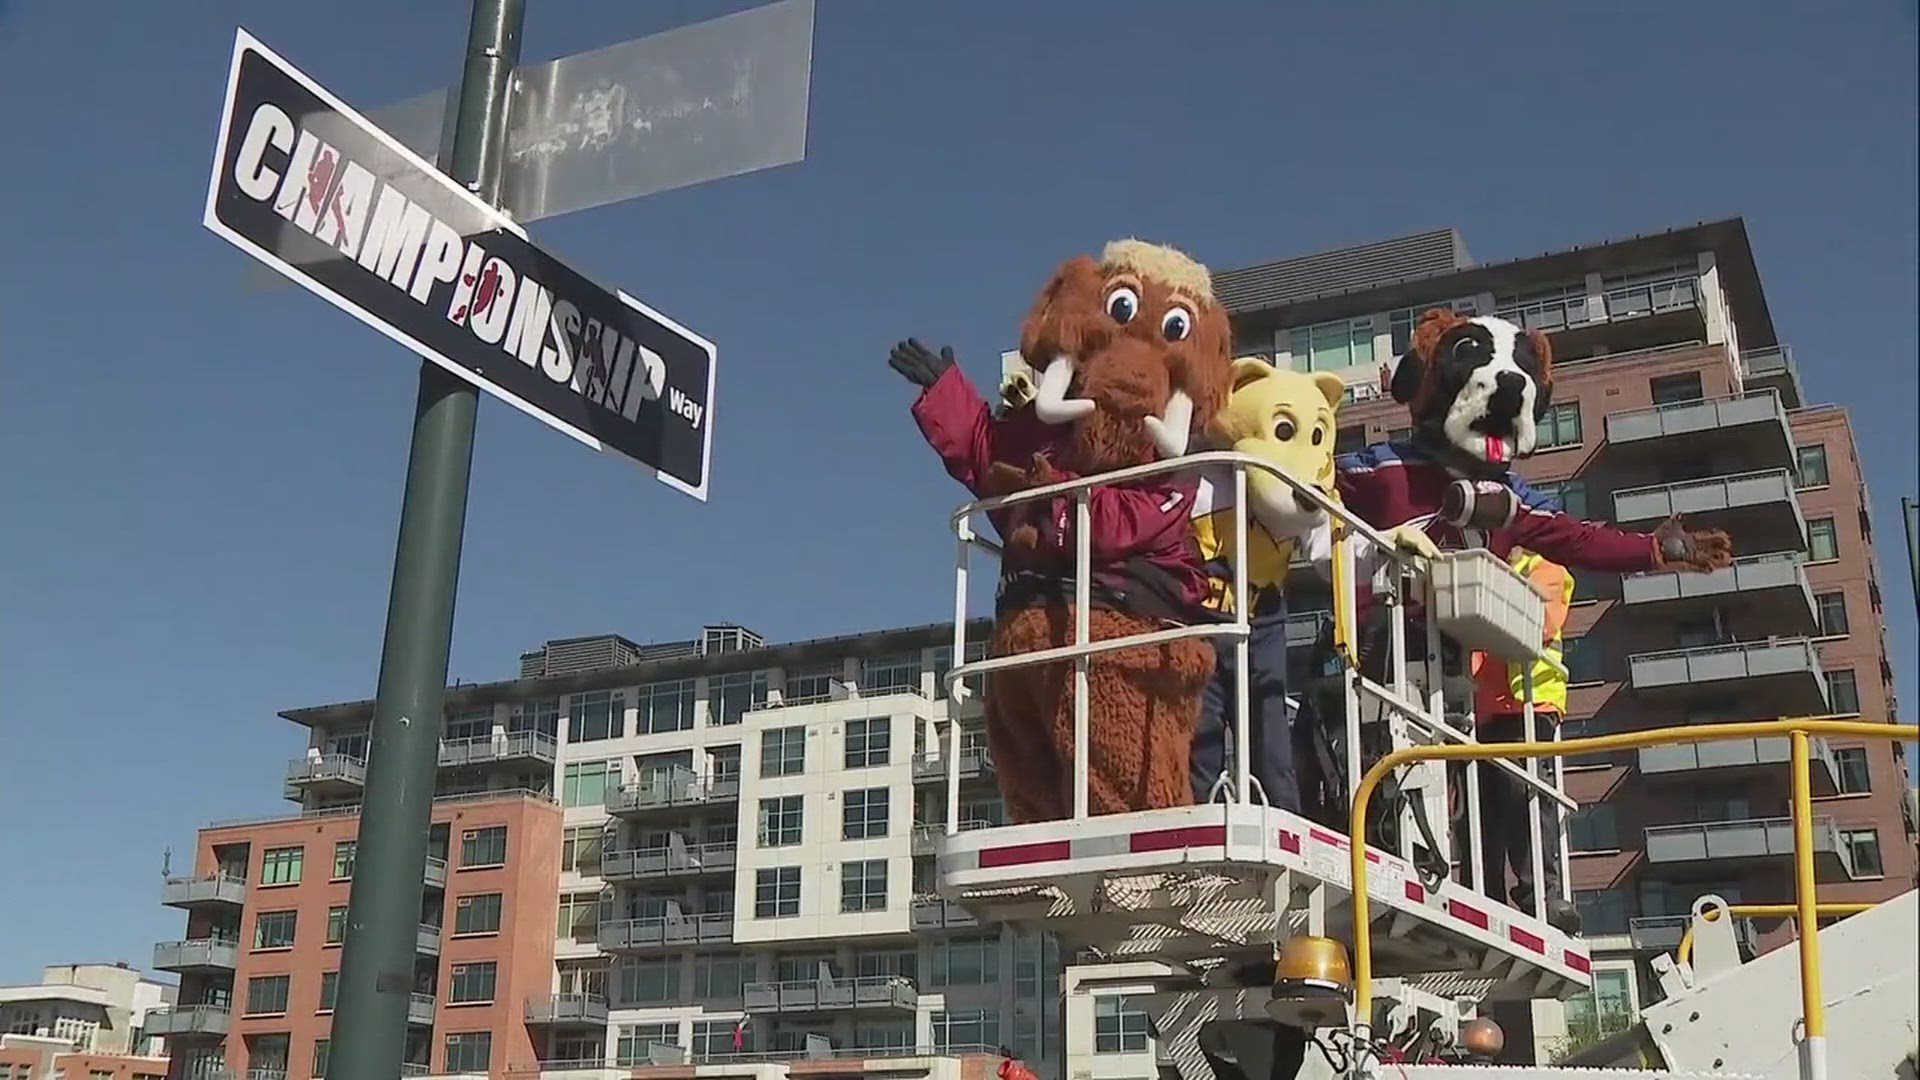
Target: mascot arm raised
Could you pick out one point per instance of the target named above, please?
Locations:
(1584, 545)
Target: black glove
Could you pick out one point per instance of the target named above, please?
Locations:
(918, 363)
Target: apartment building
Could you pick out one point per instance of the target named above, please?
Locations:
(86, 1008)
(1673, 394)
(701, 850)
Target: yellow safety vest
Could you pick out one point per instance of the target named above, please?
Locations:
(1549, 686)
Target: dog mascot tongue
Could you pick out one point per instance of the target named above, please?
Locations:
(1476, 388)
(1131, 352)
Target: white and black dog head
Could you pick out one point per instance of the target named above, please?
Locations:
(1478, 385)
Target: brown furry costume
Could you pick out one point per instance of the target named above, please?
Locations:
(1134, 354)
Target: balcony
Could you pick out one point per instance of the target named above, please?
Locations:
(435, 874)
(199, 956)
(926, 836)
(1773, 369)
(1749, 428)
(931, 912)
(1772, 589)
(211, 891)
(664, 791)
(329, 775)
(1759, 508)
(567, 1010)
(680, 860)
(426, 940)
(1662, 933)
(975, 762)
(890, 992)
(1769, 753)
(1714, 844)
(1779, 677)
(513, 746)
(190, 1022)
(420, 1009)
(629, 935)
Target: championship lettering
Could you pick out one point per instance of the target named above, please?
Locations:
(342, 204)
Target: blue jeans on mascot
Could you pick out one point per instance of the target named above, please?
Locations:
(1270, 728)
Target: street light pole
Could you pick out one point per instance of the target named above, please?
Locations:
(1910, 510)
(383, 909)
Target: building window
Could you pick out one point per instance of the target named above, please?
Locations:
(1602, 1012)
(336, 925)
(1118, 1029)
(971, 960)
(1582, 660)
(1400, 323)
(580, 849)
(1560, 427)
(806, 685)
(725, 761)
(636, 1040)
(869, 742)
(329, 990)
(1676, 389)
(1591, 828)
(776, 892)
(472, 724)
(1823, 544)
(719, 976)
(320, 1048)
(1331, 346)
(898, 674)
(1350, 439)
(478, 914)
(969, 1029)
(1843, 692)
(1832, 609)
(780, 821)
(473, 982)
(267, 994)
(648, 982)
(712, 1038)
(484, 847)
(1587, 727)
(1602, 911)
(281, 866)
(1810, 466)
(343, 853)
(1548, 309)
(1863, 848)
(540, 716)
(1661, 289)
(1399, 434)
(1855, 778)
(1572, 495)
(783, 751)
(732, 696)
(863, 816)
(863, 886)
(596, 716)
(469, 1051)
(579, 917)
(274, 929)
(666, 706)
(586, 783)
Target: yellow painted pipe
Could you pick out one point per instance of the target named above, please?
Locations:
(1826, 910)
(1626, 740)
(1813, 1011)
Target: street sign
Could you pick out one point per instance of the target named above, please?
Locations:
(314, 190)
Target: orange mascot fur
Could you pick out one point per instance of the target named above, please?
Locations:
(1132, 352)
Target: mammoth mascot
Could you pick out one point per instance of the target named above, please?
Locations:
(1132, 353)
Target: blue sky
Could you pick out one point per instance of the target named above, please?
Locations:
(201, 484)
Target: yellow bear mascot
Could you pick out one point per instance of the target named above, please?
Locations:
(1287, 418)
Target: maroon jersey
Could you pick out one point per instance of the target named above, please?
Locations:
(1141, 536)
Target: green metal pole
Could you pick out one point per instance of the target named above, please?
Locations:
(383, 910)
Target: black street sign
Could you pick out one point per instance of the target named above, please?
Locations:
(312, 189)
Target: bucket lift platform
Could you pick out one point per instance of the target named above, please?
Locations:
(1199, 886)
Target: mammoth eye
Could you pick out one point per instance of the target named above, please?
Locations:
(1177, 324)
(1123, 304)
(1284, 430)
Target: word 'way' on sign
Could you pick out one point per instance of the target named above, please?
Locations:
(315, 191)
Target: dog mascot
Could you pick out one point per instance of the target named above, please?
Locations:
(1131, 349)
(1286, 418)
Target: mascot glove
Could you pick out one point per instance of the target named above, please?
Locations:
(918, 363)
(1412, 538)
(1479, 504)
(1698, 551)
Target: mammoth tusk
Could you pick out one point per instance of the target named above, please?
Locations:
(1050, 401)
(1171, 430)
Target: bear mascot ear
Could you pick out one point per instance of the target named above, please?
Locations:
(1543, 386)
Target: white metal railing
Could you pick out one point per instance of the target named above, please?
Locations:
(1393, 572)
